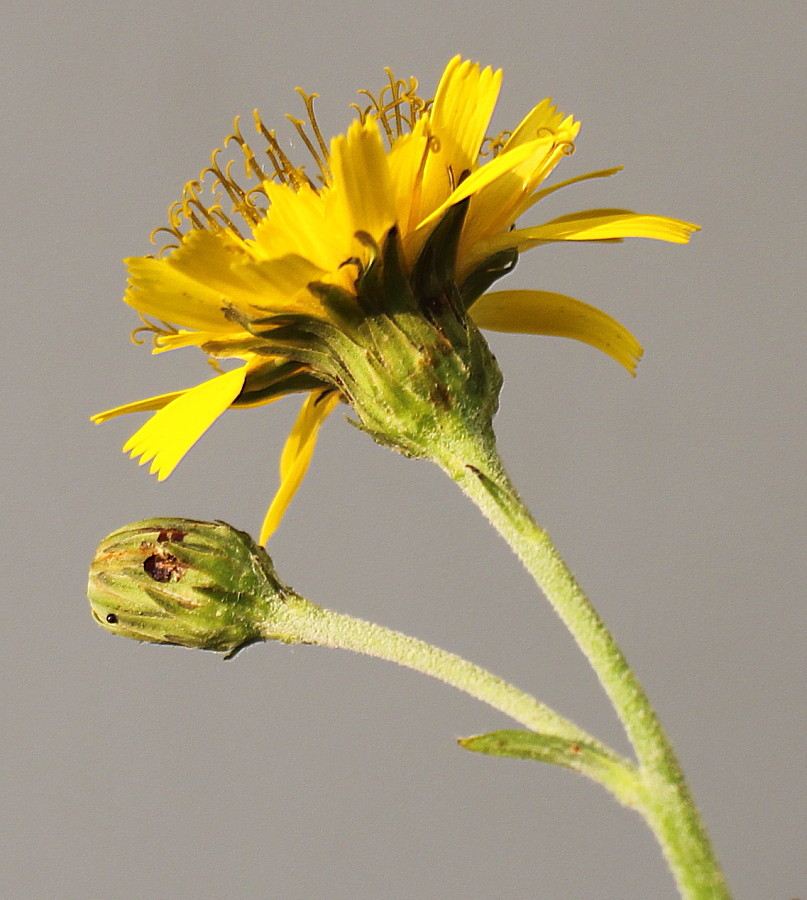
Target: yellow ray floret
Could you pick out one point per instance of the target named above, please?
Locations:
(598, 225)
(296, 223)
(297, 455)
(363, 192)
(149, 404)
(497, 168)
(542, 312)
(211, 259)
(462, 109)
(459, 118)
(171, 432)
(159, 290)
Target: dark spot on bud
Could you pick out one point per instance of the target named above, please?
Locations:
(439, 396)
(163, 567)
(444, 345)
(170, 534)
(112, 618)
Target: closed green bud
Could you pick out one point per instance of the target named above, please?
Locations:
(178, 581)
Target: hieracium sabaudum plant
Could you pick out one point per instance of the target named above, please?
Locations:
(363, 276)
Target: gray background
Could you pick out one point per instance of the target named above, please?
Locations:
(142, 771)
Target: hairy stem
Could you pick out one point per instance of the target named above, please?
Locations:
(300, 621)
(666, 802)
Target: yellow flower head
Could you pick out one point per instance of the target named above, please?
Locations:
(274, 243)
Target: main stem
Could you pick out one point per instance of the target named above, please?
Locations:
(669, 809)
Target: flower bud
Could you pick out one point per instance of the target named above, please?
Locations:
(179, 581)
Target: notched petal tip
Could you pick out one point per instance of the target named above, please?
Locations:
(170, 433)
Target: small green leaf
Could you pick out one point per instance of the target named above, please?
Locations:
(526, 745)
(618, 775)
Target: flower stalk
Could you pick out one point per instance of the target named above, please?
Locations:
(422, 380)
(301, 622)
(666, 804)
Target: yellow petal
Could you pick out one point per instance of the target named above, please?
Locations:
(595, 225)
(484, 176)
(363, 195)
(159, 290)
(463, 106)
(171, 432)
(561, 142)
(297, 455)
(210, 258)
(148, 405)
(296, 224)
(600, 173)
(494, 209)
(279, 285)
(543, 118)
(542, 312)
(497, 168)
(406, 161)
(496, 205)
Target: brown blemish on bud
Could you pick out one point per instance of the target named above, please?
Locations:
(440, 396)
(443, 345)
(163, 567)
(170, 534)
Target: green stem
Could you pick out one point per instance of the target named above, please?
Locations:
(667, 804)
(299, 621)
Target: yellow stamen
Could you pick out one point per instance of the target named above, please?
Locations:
(284, 168)
(320, 156)
(390, 113)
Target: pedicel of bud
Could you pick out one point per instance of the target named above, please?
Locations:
(203, 585)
